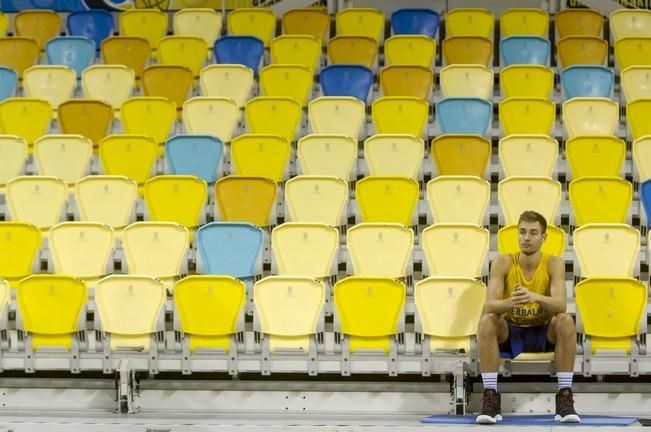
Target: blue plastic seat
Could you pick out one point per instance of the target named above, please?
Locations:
(415, 21)
(95, 24)
(244, 50)
(525, 50)
(197, 155)
(230, 248)
(587, 81)
(76, 52)
(8, 82)
(347, 80)
(645, 197)
(464, 116)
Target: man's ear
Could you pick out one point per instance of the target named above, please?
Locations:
(544, 236)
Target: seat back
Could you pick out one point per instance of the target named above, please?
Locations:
(20, 243)
(176, 198)
(242, 50)
(94, 24)
(40, 25)
(518, 194)
(365, 22)
(327, 155)
(579, 22)
(129, 155)
(26, 117)
(353, 50)
(113, 84)
(394, 155)
(473, 81)
(64, 156)
(13, 155)
(257, 22)
(245, 199)
(410, 80)
(606, 250)
(522, 155)
(380, 249)
(230, 248)
(155, 248)
(470, 22)
(81, 249)
(508, 240)
(455, 249)
(273, 115)
(636, 114)
(195, 155)
(211, 115)
(595, 155)
(410, 50)
(400, 115)
(307, 249)
(337, 115)
(91, 118)
(600, 199)
(636, 82)
(150, 24)
(347, 80)
(130, 51)
(527, 116)
(186, 50)
(54, 84)
(8, 83)
(18, 53)
(260, 155)
(170, 82)
(293, 81)
(467, 50)
(525, 50)
(632, 51)
(645, 198)
(458, 199)
(641, 151)
(151, 116)
(75, 52)
(316, 199)
(205, 23)
(590, 116)
(415, 22)
(387, 199)
(308, 21)
(106, 199)
(587, 81)
(465, 155)
(37, 200)
(526, 81)
(464, 116)
(230, 81)
(582, 50)
(629, 23)
(300, 49)
(524, 21)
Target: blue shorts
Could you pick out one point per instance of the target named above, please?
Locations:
(525, 339)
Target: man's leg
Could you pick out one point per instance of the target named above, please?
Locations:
(492, 331)
(562, 332)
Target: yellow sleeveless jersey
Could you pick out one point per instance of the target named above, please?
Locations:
(531, 314)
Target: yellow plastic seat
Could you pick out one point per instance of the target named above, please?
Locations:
(380, 249)
(524, 21)
(218, 116)
(455, 249)
(469, 22)
(508, 240)
(129, 307)
(106, 199)
(28, 118)
(258, 22)
(130, 51)
(4, 24)
(519, 194)
(54, 84)
(129, 155)
(636, 82)
(151, 116)
(360, 22)
(13, 155)
(522, 155)
(40, 25)
(188, 51)
(230, 81)
(337, 115)
(91, 118)
(387, 199)
(606, 250)
(176, 198)
(637, 114)
(633, 51)
(112, 84)
(150, 24)
(81, 249)
(467, 50)
(527, 81)
(20, 243)
(353, 50)
(400, 115)
(310, 21)
(457, 154)
(260, 155)
(273, 115)
(327, 155)
(611, 311)
(64, 156)
(18, 53)
(642, 157)
(417, 50)
(173, 83)
(582, 50)
(394, 155)
(5, 292)
(316, 199)
(201, 22)
(467, 81)
(287, 80)
(369, 310)
(50, 307)
(303, 49)
(440, 301)
(289, 309)
(591, 155)
(209, 308)
(411, 81)
(579, 22)
(458, 199)
(600, 199)
(590, 116)
(527, 116)
(245, 199)
(305, 249)
(37, 200)
(629, 23)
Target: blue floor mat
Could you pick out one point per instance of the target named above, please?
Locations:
(534, 420)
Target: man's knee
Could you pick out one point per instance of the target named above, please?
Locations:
(488, 325)
(564, 325)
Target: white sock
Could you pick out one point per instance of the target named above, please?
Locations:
(490, 380)
(564, 379)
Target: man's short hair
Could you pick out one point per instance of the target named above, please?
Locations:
(532, 216)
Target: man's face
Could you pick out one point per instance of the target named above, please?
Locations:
(531, 237)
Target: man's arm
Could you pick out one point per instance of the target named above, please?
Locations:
(494, 302)
(556, 302)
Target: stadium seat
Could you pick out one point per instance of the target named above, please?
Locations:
(579, 22)
(518, 194)
(91, 118)
(527, 116)
(526, 81)
(113, 84)
(642, 157)
(347, 80)
(151, 116)
(458, 199)
(172, 82)
(231, 81)
(467, 50)
(629, 23)
(327, 155)
(188, 51)
(380, 249)
(67, 157)
(508, 240)
(21, 243)
(459, 154)
(8, 83)
(245, 199)
(582, 50)
(28, 118)
(524, 22)
(273, 115)
(415, 22)
(645, 199)
(637, 114)
(600, 199)
(230, 248)
(525, 50)
(394, 155)
(205, 23)
(439, 303)
(365, 22)
(464, 116)
(310, 21)
(81, 249)
(606, 250)
(387, 199)
(131, 52)
(636, 83)
(399, 80)
(522, 155)
(40, 25)
(106, 199)
(287, 80)
(150, 24)
(257, 22)
(415, 50)
(316, 199)
(301, 50)
(37, 200)
(94, 24)
(587, 81)
(305, 249)
(195, 155)
(13, 155)
(54, 84)
(469, 22)
(455, 249)
(260, 155)
(474, 81)
(353, 50)
(239, 50)
(4, 24)
(595, 155)
(75, 52)
(129, 155)
(216, 116)
(176, 198)
(400, 115)
(18, 53)
(337, 115)
(633, 51)
(590, 116)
